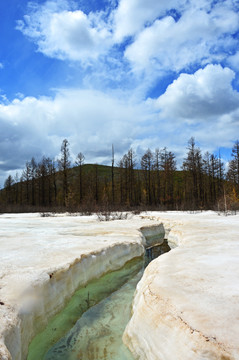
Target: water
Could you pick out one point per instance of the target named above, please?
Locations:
(155, 251)
(91, 325)
(97, 334)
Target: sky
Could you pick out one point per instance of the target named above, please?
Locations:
(133, 73)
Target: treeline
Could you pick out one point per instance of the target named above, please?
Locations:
(152, 182)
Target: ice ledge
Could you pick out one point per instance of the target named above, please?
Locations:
(44, 260)
(52, 290)
(186, 306)
(153, 235)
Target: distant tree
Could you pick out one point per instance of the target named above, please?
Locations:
(221, 172)
(168, 167)
(235, 155)
(194, 166)
(96, 181)
(131, 163)
(147, 166)
(233, 170)
(127, 165)
(157, 173)
(53, 174)
(214, 172)
(26, 176)
(42, 178)
(17, 181)
(213, 177)
(33, 174)
(112, 174)
(207, 179)
(64, 165)
(21, 197)
(80, 161)
(121, 180)
(8, 185)
(50, 180)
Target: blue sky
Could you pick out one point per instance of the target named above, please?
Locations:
(134, 73)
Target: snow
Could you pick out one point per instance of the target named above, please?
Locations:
(43, 260)
(186, 306)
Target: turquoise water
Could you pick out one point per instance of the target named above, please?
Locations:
(90, 327)
(97, 334)
(85, 298)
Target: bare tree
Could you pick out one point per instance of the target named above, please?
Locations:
(64, 165)
(26, 176)
(157, 170)
(233, 171)
(96, 181)
(33, 174)
(8, 185)
(112, 175)
(127, 165)
(80, 161)
(193, 165)
(42, 179)
(147, 166)
(168, 168)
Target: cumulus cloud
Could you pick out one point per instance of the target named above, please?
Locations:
(90, 120)
(166, 36)
(203, 105)
(208, 92)
(233, 61)
(66, 34)
(131, 15)
(197, 37)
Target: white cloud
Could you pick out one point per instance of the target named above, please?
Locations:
(90, 120)
(203, 105)
(65, 34)
(1, 66)
(167, 35)
(208, 92)
(198, 37)
(93, 120)
(233, 61)
(131, 15)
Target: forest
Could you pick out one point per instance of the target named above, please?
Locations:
(152, 182)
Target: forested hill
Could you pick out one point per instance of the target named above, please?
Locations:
(153, 182)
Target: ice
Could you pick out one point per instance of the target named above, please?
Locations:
(187, 304)
(43, 260)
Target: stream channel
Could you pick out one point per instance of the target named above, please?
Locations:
(91, 326)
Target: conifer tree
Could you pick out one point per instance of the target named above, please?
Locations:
(64, 164)
(80, 161)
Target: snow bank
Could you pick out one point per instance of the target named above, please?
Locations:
(44, 260)
(186, 306)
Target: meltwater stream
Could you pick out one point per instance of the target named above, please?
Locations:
(92, 324)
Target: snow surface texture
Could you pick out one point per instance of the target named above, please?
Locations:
(43, 260)
(186, 306)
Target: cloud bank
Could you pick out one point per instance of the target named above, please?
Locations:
(152, 74)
